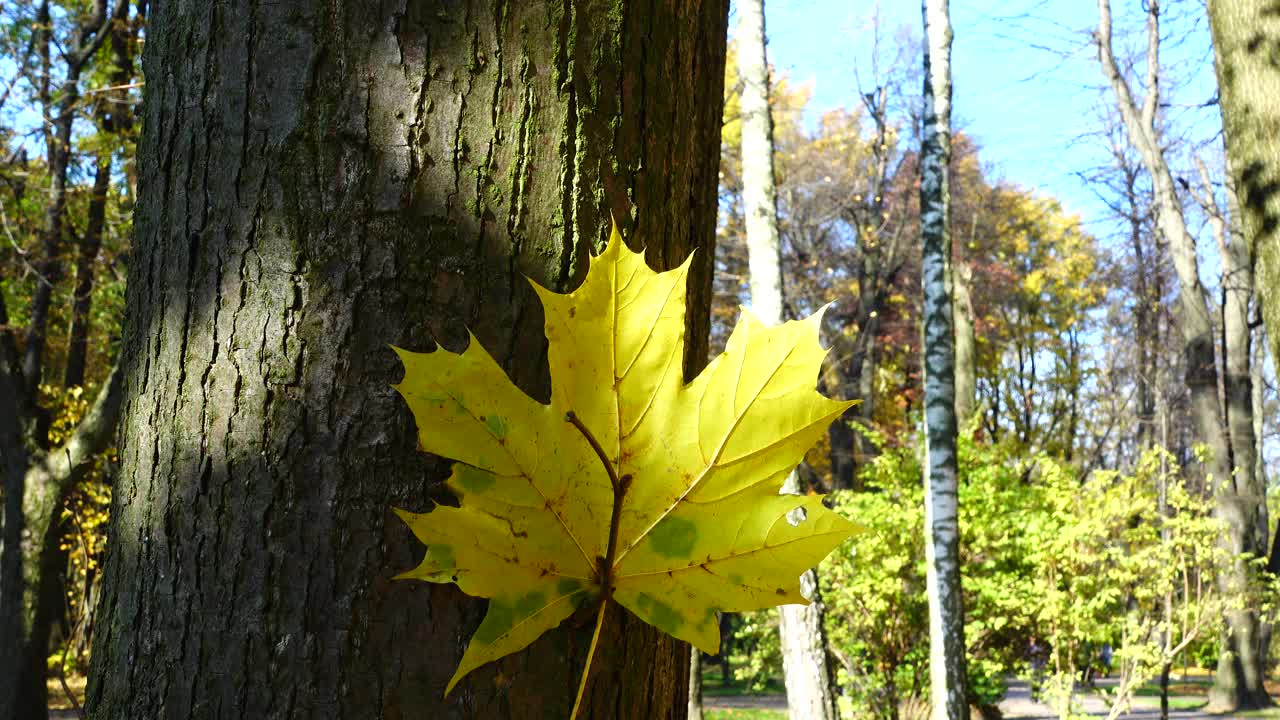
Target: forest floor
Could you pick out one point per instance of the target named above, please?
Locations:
(60, 706)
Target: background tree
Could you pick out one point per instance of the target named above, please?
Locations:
(317, 182)
(1239, 683)
(942, 543)
(73, 69)
(804, 647)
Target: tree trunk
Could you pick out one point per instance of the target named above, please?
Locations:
(804, 653)
(695, 684)
(1245, 37)
(13, 466)
(1244, 41)
(319, 180)
(1236, 686)
(88, 38)
(1242, 674)
(90, 244)
(805, 664)
(759, 191)
(966, 345)
(1259, 354)
(45, 486)
(942, 544)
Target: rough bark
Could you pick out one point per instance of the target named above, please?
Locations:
(1246, 44)
(942, 544)
(1238, 681)
(1247, 62)
(804, 653)
(319, 180)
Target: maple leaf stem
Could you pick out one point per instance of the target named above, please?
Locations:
(620, 485)
(591, 652)
(573, 418)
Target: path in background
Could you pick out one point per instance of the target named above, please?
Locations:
(745, 702)
(1017, 705)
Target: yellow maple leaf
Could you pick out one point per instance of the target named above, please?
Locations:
(664, 493)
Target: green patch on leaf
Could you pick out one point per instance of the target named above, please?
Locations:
(673, 537)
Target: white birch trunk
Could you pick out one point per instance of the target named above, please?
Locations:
(804, 654)
(695, 684)
(759, 194)
(942, 546)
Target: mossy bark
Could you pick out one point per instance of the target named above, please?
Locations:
(319, 180)
(1246, 43)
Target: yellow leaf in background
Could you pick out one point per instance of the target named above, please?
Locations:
(630, 485)
(1034, 282)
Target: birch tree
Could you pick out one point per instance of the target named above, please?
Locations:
(804, 653)
(1240, 501)
(942, 546)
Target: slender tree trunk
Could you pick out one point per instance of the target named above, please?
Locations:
(110, 116)
(695, 684)
(759, 191)
(1145, 321)
(804, 652)
(805, 662)
(1246, 507)
(88, 38)
(13, 466)
(843, 441)
(319, 180)
(878, 263)
(966, 344)
(942, 544)
(90, 244)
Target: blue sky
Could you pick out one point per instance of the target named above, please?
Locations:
(1026, 80)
